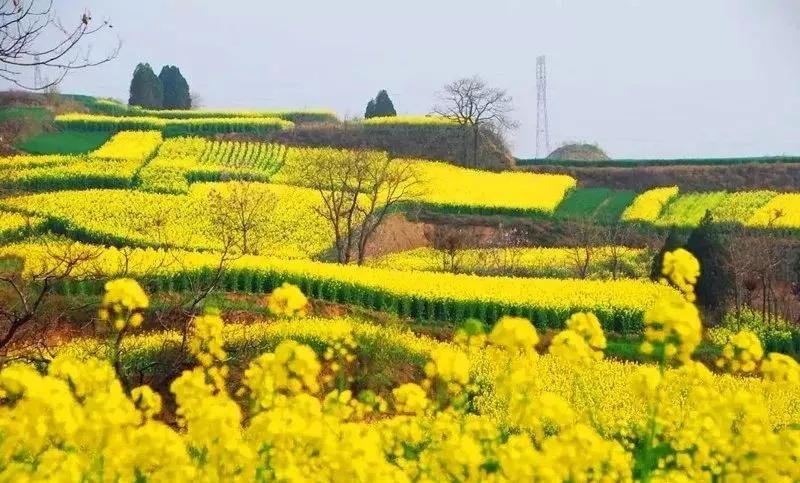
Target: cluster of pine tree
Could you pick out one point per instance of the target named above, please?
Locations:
(380, 106)
(168, 90)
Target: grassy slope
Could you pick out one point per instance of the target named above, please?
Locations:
(600, 204)
(64, 142)
(35, 113)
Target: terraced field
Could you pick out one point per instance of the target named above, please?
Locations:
(170, 310)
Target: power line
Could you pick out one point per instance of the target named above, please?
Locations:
(542, 130)
(37, 73)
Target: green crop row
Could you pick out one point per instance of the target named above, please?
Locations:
(430, 296)
(171, 127)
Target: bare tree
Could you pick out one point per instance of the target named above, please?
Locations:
(618, 237)
(197, 99)
(241, 211)
(32, 35)
(358, 188)
(451, 241)
(475, 106)
(27, 284)
(584, 244)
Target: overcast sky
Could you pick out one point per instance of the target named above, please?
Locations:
(640, 78)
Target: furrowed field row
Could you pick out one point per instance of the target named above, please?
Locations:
(14, 226)
(185, 160)
(665, 207)
(447, 187)
(290, 227)
(172, 127)
(114, 165)
(113, 108)
(421, 295)
(624, 262)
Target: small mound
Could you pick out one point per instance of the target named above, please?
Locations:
(579, 152)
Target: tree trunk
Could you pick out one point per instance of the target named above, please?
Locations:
(475, 137)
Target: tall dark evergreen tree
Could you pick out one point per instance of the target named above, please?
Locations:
(380, 106)
(370, 111)
(709, 243)
(383, 105)
(176, 89)
(675, 239)
(146, 89)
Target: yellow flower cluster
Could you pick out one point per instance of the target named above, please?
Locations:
(123, 303)
(742, 352)
(450, 365)
(147, 401)
(782, 211)
(410, 398)
(287, 301)
(514, 334)
(471, 335)
(340, 357)
(649, 205)
(588, 326)
(682, 269)
(129, 146)
(569, 345)
(206, 341)
(582, 341)
(673, 329)
(292, 369)
(781, 368)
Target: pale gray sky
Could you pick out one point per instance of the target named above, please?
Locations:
(641, 78)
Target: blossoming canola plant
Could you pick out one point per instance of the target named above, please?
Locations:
(607, 391)
(183, 160)
(295, 229)
(130, 146)
(302, 426)
(453, 188)
(79, 173)
(550, 262)
(14, 225)
(31, 161)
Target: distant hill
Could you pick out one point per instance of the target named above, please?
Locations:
(579, 152)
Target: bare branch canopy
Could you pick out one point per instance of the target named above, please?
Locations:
(33, 35)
